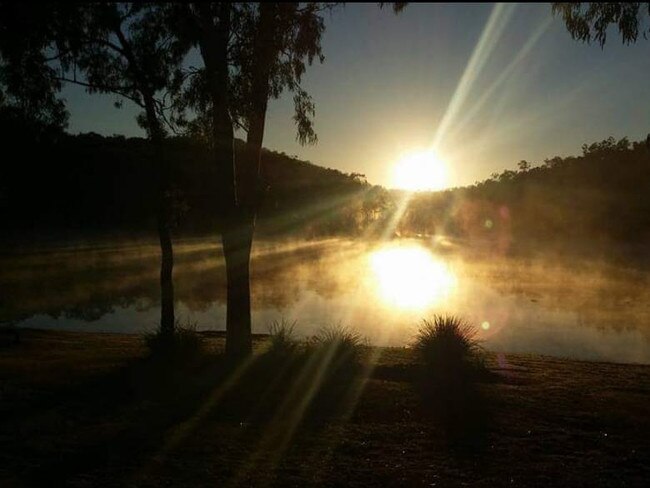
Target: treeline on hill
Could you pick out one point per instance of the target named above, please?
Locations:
(82, 185)
(594, 200)
(58, 185)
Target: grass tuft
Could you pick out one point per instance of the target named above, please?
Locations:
(452, 363)
(342, 346)
(447, 346)
(184, 343)
(282, 340)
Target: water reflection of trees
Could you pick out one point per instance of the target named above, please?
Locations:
(92, 282)
(602, 295)
(89, 284)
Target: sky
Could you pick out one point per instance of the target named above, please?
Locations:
(486, 85)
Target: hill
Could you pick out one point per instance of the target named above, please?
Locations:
(57, 186)
(593, 201)
(89, 184)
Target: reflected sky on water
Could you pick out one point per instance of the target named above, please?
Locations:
(579, 310)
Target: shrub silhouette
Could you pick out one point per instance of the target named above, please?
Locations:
(451, 363)
(338, 346)
(448, 349)
(282, 340)
(185, 343)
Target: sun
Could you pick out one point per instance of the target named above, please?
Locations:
(420, 171)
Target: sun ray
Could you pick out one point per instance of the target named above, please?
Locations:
(532, 41)
(499, 18)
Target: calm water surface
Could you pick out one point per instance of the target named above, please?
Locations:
(581, 310)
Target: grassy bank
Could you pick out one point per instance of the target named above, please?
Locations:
(82, 409)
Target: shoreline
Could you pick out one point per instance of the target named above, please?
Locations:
(88, 409)
(220, 334)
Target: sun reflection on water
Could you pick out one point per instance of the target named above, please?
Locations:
(410, 277)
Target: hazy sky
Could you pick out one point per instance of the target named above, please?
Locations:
(491, 84)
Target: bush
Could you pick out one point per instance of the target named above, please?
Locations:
(332, 371)
(447, 347)
(452, 361)
(338, 346)
(184, 343)
(282, 341)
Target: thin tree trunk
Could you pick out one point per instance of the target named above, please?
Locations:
(164, 221)
(167, 318)
(164, 184)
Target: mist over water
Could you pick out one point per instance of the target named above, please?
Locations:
(583, 310)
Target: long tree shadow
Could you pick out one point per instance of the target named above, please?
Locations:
(460, 407)
(123, 424)
(455, 402)
(111, 422)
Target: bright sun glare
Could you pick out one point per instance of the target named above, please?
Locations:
(421, 170)
(410, 277)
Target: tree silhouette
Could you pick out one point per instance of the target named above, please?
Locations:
(588, 21)
(251, 53)
(28, 85)
(123, 49)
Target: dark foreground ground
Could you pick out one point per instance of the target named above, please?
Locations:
(90, 410)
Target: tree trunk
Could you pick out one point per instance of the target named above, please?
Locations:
(164, 218)
(237, 241)
(164, 187)
(237, 237)
(167, 318)
(240, 184)
(236, 223)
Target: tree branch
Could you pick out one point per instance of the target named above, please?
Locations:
(121, 91)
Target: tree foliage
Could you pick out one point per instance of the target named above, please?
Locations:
(591, 21)
(293, 45)
(125, 49)
(28, 82)
(129, 50)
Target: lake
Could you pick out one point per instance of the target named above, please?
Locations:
(584, 310)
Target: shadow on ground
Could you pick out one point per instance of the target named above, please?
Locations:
(125, 423)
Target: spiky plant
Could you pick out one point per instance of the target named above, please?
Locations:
(185, 342)
(452, 361)
(340, 345)
(447, 345)
(282, 340)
